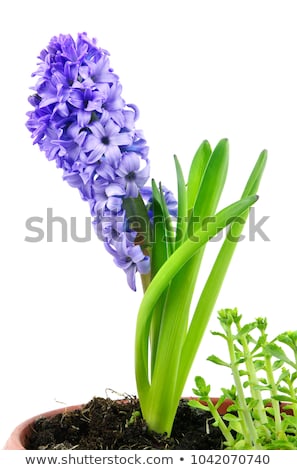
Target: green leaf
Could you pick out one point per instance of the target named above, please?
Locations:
(220, 402)
(284, 389)
(169, 231)
(217, 360)
(285, 375)
(198, 404)
(269, 410)
(256, 175)
(277, 365)
(245, 330)
(197, 170)
(160, 250)
(289, 338)
(240, 445)
(202, 388)
(159, 397)
(272, 349)
(233, 408)
(217, 333)
(214, 282)
(182, 210)
(259, 365)
(290, 421)
(240, 360)
(230, 417)
(211, 187)
(262, 387)
(138, 219)
(294, 376)
(231, 394)
(287, 398)
(279, 444)
(263, 380)
(189, 248)
(258, 346)
(159, 254)
(160, 283)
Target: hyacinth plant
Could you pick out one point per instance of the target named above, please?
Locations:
(80, 120)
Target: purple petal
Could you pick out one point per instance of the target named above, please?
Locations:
(114, 189)
(130, 272)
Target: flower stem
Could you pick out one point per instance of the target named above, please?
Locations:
(249, 431)
(253, 380)
(145, 280)
(271, 381)
(222, 426)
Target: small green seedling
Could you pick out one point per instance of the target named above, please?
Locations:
(263, 413)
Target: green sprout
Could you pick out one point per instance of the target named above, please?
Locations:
(167, 337)
(265, 376)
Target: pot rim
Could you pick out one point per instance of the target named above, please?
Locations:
(18, 437)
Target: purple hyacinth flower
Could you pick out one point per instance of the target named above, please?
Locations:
(130, 258)
(81, 121)
(106, 140)
(109, 226)
(133, 173)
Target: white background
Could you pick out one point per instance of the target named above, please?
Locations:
(197, 70)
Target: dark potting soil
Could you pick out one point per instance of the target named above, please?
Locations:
(105, 424)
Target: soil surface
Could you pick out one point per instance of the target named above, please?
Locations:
(105, 424)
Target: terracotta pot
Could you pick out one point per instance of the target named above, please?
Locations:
(19, 436)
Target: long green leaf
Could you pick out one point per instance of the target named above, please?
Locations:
(160, 251)
(197, 171)
(138, 220)
(215, 280)
(159, 255)
(256, 175)
(211, 185)
(158, 285)
(169, 231)
(174, 324)
(182, 211)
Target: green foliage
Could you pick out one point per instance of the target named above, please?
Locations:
(256, 419)
(167, 336)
